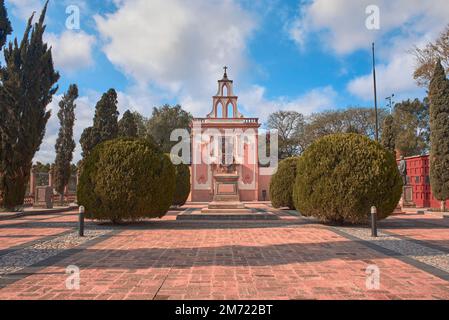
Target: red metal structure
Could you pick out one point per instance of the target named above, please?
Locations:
(418, 176)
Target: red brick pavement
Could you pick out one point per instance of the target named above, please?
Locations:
(185, 260)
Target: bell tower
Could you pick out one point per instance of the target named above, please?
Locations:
(225, 102)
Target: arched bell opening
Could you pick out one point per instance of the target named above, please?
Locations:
(220, 111)
(230, 110)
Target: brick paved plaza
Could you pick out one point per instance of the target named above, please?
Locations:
(293, 258)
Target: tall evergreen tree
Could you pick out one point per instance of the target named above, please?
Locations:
(5, 30)
(89, 139)
(389, 135)
(106, 116)
(127, 126)
(27, 86)
(439, 134)
(105, 125)
(5, 24)
(65, 145)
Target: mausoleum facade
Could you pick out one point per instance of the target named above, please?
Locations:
(227, 142)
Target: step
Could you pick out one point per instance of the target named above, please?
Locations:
(198, 216)
(227, 211)
(226, 205)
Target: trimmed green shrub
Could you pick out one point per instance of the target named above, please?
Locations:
(281, 185)
(183, 185)
(126, 179)
(340, 177)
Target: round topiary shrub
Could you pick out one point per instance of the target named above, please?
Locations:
(126, 179)
(340, 177)
(183, 185)
(281, 184)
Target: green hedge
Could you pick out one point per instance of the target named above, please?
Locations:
(281, 185)
(183, 185)
(340, 177)
(126, 179)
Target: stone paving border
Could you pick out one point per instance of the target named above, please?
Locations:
(15, 261)
(34, 242)
(396, 253)
(10, 278)
(418, 242)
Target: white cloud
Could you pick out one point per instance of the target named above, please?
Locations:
(71, 50)
(395, 77)
(341, 24)
(23, 9)
(177, 46)
(254, 101)
(140, 99)
(340, 27)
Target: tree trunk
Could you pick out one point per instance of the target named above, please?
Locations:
(443, 206)
(62, 199)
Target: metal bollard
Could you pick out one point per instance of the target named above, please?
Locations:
(374, 222)
(81, 221)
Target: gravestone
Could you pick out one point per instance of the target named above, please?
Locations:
(408, 197)
(43, 198)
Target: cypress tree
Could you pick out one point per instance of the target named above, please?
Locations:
(5, 24)
(439, 134)
(65, 145)
(5, 30)
(388, 135)
(105, 123)
(26, 88)
(89, 139)
(127, 126)
(106, 116)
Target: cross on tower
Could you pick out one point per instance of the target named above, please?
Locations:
(226, 72)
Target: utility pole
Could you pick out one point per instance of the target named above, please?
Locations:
(375, 94)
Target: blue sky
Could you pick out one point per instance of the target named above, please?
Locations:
(298, 55)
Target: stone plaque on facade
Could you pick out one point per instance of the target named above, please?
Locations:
(226, 189)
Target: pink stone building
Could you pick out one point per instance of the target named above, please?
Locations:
(225, 138)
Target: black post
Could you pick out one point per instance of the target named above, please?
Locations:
(81, 221)
(375, 94)
(374, 222)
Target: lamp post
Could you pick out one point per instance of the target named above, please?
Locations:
(374, 222)
(375, 94)
(82, 212)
